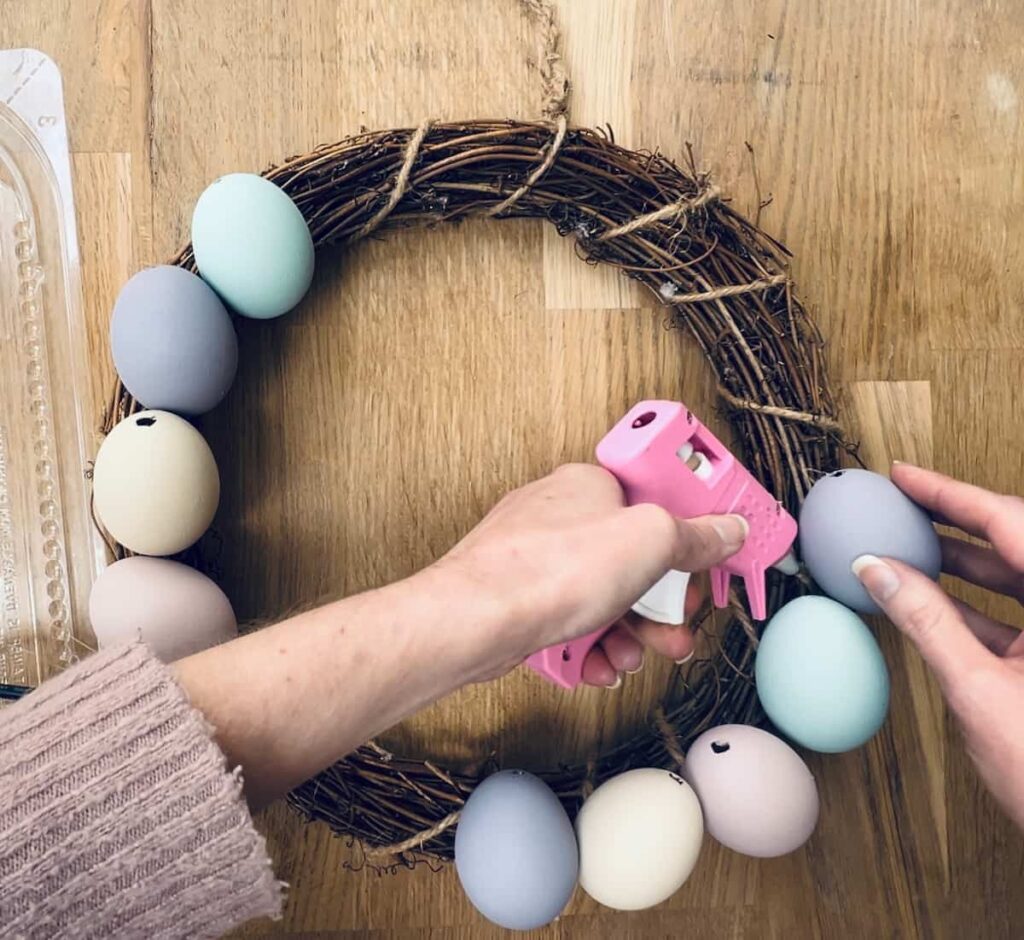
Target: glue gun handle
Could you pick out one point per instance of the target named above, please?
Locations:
(563, 664)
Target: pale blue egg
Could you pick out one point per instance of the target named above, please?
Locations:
(252, 245)
(515, 851)
(821, 676)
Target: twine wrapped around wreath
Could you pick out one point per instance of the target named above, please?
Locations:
(718, 276)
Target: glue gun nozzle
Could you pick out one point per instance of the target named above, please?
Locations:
(788, 564)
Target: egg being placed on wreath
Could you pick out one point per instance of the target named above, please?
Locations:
(155, 483)
(171, 607)
(252, 245)
(515, 851)
(856, 512)
(821, 676)
(639, 834)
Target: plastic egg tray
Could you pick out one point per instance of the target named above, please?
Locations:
(50, 552)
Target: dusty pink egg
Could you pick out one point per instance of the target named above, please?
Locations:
(173, 608)
(758, 796)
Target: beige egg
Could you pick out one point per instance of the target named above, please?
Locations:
(173, 608)
(155, 483)
(639, 835)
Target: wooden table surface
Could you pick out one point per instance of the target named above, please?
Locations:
(889, 136)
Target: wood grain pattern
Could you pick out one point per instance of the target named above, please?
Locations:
(431, 371)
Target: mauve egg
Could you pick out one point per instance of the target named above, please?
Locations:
(155, 483)
(821, 676)
(252, 245)
(515, 851)
(758, 796)
(857, 512)
(173, 608)
(640, 834)
(172, 341)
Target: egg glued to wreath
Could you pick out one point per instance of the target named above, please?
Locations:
(515, 851)
(155, 483)
(171, 607)
(640, 834)
(252, 245)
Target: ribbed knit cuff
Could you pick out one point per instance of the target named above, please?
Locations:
(118, 815)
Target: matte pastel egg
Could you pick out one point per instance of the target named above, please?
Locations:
(155, 483)
(639, 834)
(758, 796)
(172, 341)
(515, 851)
(857, 512)
(252, 245)
(171, 607)
(821, 676)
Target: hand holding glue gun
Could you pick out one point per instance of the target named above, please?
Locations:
(662, 454)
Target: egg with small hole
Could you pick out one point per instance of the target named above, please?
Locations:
(515, 851)
(640, 835)
(821, 676)
(856, 512)
(757, 795)
(172, 608)
(155, 483)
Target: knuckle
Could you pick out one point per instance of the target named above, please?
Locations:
(921, 622)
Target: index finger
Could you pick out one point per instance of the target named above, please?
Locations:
(980, 512)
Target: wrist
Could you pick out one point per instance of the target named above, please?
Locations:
(475, 632)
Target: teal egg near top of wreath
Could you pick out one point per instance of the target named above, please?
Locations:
(820, 675)
(252, 245)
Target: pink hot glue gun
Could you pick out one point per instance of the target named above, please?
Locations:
(661, 453)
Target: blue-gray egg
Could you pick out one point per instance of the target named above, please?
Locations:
(252, 245)
(515, 851)
(857, 512)
(821, 676)
(172, 341)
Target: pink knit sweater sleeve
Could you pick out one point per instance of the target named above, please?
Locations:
(118, 816)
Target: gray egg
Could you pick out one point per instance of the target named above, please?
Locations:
(857, 512)
(172, 341)
(515, 851)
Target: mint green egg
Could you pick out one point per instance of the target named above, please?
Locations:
(252, 245)
(821, 676)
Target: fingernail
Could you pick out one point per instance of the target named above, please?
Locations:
(616, 683)
(639, 666)
(732, 530)
(879, 579)
(685, 659)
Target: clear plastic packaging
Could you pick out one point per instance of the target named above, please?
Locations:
(50, 552)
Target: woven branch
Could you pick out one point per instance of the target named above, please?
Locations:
(727, 284)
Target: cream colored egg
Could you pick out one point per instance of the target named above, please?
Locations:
(639, 836)
(173, 608)
(155, 483)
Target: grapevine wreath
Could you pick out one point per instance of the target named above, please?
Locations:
(718, 276)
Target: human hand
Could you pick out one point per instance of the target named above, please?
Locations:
(979, 662)
(563, 556)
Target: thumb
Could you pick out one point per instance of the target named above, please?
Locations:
(926, 615)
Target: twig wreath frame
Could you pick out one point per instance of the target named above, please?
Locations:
(718, 275)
